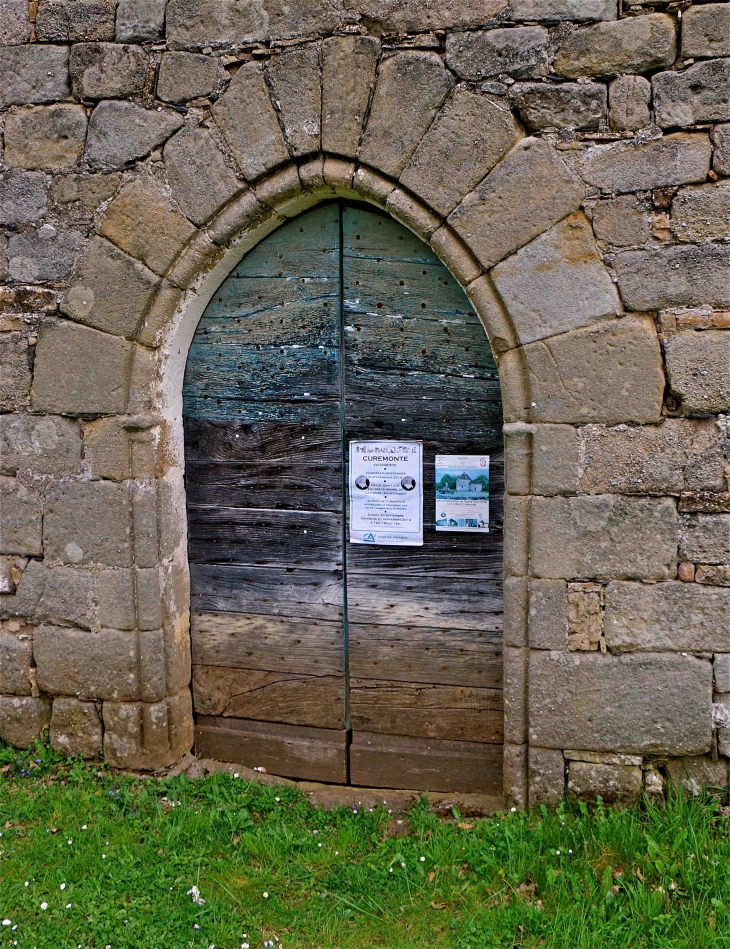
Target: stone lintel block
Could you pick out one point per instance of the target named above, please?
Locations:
(45, 137)
(612, 783)
(706, 31)
(698, 94)
(413, 85)
(515, 611)
(678, 159)
(548, 615)
(546, 770)
(200, 178)
(557, 282)
(20, 519)
(15, 373)
(515, 774)
(33, 74)
(637, 704)
(706, 390)
(296, 83)
(76, 728)
(671, 276)
(702, 212)
(705, 538)
(610, 372)
(41, 445)
(413, 213)
(633, 44)
(100, 665)
(469, 136)
(559, 11)
(121, 132)
(16, 652)
(107, 70)
(666, 616)
(88, 522)
(185, 76)
(142, 221)
(454, 254)
(246, 117)
(491, 311)
(537, 187)
(515, 695)
(348, 75)
(603, 537)
(110, 290)
(23, 718)
(516, 540)
(721, 669)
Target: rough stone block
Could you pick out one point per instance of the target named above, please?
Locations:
(102, 665)
(639, 704)
(677, 159)
(198, 23)
(15, 27)
(185, 76)
(677, 455)
(23, 197)
(702, 212)
(628, 100)
(634, 44)
(666, 617)
(151, 665)
(87, 522)
(348, 74)
(603, 537)
(515, 611)
(698, 367)
(33, 74)
(559, 105)
(246, 117)
(14, 372)
(142, 221)
(706, 31)
(721, 668)
(705, 538)
(415, 16)
(121, 132)
(140, 20)
(43, 445)
(76, 728)
(622, 221)
(537, 187)
(469, 136)
(140, 735)
(23, 718)
(699, 94)
(76, 197)
(296, 83)
(585, 616)
(201, 180)
(110, 290)
(516, 549)
(114, 595)
(548, 614)
(107, 70)
(612, 783)
(515, 774)
(20, 519)
(62, 595)
(46, 137)
(557, 282)
(675, 276)
(558, 11)
(713, 575)
(45, 254)
(16, 652)
(555, 463)
(546, 768)
(79, 371)
(515, 706)
(74, 21)
(610, 372)
(721, 155)
(412, 85)
(695, 774)
(520, 52)
(149, 601)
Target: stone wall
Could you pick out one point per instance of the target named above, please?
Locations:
(569, 160)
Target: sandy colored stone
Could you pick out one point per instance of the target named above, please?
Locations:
(639, 704)
(559, 105)
(200, 179)
(546, 770)
(666, 617)
(535, 185)
(76, 728)
(121, 132)
(702, 212)
(706, 31)
(74, 21)
(698, 369)
(673, 276)
(47, 137)
(33, 74)
(700, 93)
(76, 197)
(15, 375)
(185, 76)
(296, 84)
(16, 651)
(720, 136)
(557, 282)
(602, 537)
(246, 117)
(469, 136)
(548, 614)
(520, 52)
(557, 11)
(140, 20)
(412, 85)
(705, 538)
(23, 718)
(45, 254)
(23, 197)
(612, 783)
(87, 522)
(622, 221)
(634, 44)
(107, 70)
(348, 74)
(87, 665)
(555, 463)
(629, 98)
(676, 159)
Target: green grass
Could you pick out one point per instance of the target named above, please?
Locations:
(127, 851)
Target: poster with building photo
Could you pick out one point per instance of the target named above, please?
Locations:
(386, 493)
(462, 493)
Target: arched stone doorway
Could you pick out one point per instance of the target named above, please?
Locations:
(315, 657)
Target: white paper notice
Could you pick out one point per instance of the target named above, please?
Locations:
(462, 493)
(386, 493)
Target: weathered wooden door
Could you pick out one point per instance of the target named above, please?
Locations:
(313, 657)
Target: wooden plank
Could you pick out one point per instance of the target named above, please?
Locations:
(478, 556)
(418, 654)
(400, 599)
(266, 538)
(293, 751)
(315, 436)
(402, 386)
(279, 644)
(389, 761)
(268, 591)
(270, 696)
(368, 234)
(302, 486)
(426, 710)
